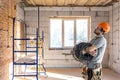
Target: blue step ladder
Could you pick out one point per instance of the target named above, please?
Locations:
(24, 61)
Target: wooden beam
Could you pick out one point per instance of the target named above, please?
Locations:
(32, 2)
(44, 2)
(111, 2)
(87, 2)
(76, 2)
(38, 2)
(99, 2)
(55, 2)
(71, 2)
(107, 2)
(1, 3)
(65, 2)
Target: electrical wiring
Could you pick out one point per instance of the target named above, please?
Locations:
(77, 52)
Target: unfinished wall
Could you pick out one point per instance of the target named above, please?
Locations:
(20, 12)
(54, 58)
(20, 23)
(7, 8)
(114, 38)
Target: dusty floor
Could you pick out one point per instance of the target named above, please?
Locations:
(71, 74)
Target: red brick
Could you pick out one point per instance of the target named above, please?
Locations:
(7, 9)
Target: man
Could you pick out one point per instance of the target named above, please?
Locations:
(93, 70)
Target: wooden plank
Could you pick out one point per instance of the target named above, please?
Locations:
(91, 2)
(22, 35)
(32, 2)
(49, 2)
(43, 2)
(107, 2)
(60, 2)
(38, 2)
(65, 2)
(82, 2)
(100, 2)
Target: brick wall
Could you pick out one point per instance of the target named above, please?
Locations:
(7, 8)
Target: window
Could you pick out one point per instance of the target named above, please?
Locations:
(56, 33)
(68, 33)
(65, 32)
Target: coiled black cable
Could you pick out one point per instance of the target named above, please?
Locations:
(77, 52)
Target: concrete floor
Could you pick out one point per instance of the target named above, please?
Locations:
(72, 74)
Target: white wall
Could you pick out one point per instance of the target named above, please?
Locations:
(114, 37)
(54, 58)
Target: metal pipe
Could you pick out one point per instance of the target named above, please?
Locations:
(118, 30)
(37, 54)
(38, 20)
(13, 46)
(112, 37)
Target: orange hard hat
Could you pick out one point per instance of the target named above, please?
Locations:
(105, 26)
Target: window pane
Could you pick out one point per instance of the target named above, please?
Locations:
(55, 33)
(69, 33)
(81, 30)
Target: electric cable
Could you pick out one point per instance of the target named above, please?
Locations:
(78, 54)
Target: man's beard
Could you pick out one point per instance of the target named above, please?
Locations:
(96, 33)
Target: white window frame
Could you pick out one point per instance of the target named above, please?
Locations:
(71, 18)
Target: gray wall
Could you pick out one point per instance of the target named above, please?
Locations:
(19, 19)
(54, 58)
(20, 12)
(114, 38)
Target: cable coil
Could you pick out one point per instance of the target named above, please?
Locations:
(77, 52)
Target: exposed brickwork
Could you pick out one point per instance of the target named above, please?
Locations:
(7, 8)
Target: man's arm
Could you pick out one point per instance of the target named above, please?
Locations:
(91, 50)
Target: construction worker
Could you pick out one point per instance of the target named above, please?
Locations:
(93, 69)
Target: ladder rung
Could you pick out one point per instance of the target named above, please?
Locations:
(25, 51)
(30, 34)
(32, 47)
(25, 63)
(25, 75)
(24, 39)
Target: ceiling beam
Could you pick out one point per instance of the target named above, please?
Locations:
(44, 2)
(95, 2)
(69, 5)
(65, 2)
(71, 2)
(24, 2)
(99, 2)
(87, 2)
(32, 2)
(107, 2)
(111, 2)
(55, 2)
(76, 2)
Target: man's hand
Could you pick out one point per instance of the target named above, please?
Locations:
(93, 53)
(84, 51)
(90, 50)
